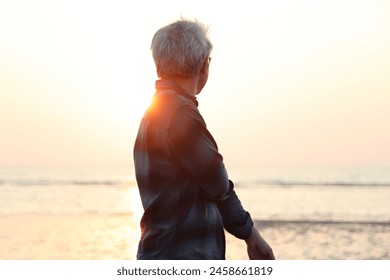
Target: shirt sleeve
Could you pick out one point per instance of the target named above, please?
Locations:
(197, 152)
(236, 220)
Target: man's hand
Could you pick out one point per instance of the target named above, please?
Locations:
(258, 248)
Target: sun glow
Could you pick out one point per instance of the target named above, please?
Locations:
(141, 89)
(76, 79)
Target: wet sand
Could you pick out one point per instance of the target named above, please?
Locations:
(115, 237)
(323, 240)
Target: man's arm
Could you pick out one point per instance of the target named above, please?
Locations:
(197, 151)
(236, 220)
(239, 223)
(194, 147)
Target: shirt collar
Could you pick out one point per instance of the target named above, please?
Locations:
(162, 85)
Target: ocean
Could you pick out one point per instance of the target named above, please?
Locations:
(94, 213)
(344, 194)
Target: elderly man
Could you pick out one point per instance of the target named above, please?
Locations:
(187, 197)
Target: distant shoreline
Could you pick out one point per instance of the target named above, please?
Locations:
(277, 223)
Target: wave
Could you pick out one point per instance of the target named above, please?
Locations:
(283, 183)
(240, 183)
(277, 223)
(66, 183)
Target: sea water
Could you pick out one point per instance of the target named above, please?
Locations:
(337, 194)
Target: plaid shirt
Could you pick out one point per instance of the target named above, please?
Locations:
(187, 197)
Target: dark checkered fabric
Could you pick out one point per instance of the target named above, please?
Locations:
(187, 197)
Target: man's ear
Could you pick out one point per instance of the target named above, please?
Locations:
(205, 66)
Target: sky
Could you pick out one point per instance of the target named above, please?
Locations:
(292, 83)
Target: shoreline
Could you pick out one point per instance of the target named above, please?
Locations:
(274, 223)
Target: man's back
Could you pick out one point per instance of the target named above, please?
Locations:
(181, 221)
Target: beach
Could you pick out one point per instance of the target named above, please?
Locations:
(115, 237)
(67, 237)
(94, 214)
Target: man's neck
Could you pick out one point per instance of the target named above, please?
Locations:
(189, 84)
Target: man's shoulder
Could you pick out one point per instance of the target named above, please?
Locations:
(168, 105)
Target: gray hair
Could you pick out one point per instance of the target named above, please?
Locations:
(180, 49)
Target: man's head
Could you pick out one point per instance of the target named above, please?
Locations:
(181, 49)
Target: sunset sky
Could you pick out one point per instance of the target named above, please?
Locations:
(292, 83)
